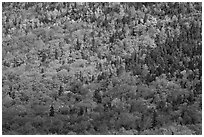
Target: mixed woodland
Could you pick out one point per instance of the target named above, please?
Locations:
(108, 68)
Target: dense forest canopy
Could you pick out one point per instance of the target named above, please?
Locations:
(102, 68)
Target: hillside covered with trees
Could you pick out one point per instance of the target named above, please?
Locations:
(101, 68)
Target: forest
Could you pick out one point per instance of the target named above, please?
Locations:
(101, 68)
